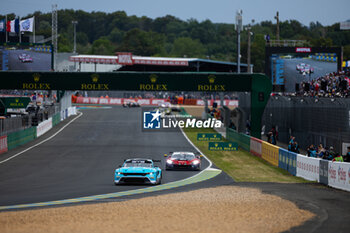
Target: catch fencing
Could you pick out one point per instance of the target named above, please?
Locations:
(14, 124)
(334, 174)
(310, 120)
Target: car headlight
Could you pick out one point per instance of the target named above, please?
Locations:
(195, 162)
(169, 161)
(118, 173)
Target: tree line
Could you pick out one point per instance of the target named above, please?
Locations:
(106, 33)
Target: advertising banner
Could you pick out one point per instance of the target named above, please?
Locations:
(324, 171)
(3, 144)
(339, 175)
(72, 111)
(230, 103)
(43, 127)
(288, 161)
(208, 137)
(270, 153)
(154, 102)
(308, 168)
(255, 146)
(118, 101)
(223, 146)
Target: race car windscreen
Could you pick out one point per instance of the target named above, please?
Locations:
(183, 156)
(25, 57)
(138, 163)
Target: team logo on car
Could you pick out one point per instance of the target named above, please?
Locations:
(151, 120)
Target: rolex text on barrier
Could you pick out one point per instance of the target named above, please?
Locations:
(288, 161)
(270, 153)
(223, 146)
(208, 137)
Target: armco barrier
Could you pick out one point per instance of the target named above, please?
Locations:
(242, 139)
(3, 144)
(270, 153)
(324, 171)
(288, 161)
(21, 137)
(255, 146)
(308, 168)
(43, 127)
(339, 175)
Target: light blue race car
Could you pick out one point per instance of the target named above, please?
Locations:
(138, 170)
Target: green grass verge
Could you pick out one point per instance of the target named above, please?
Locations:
(241, 165)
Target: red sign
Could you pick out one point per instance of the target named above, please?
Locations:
(3, 144)
(125, 59)
(303, 50)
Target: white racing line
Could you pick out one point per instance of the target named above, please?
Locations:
(47, 139)
(210, 162)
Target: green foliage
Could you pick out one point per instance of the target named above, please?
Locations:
(187, 47)
(102, 46)
(143, 43)
(107, 33)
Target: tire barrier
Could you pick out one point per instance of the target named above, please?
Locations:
(333, 174)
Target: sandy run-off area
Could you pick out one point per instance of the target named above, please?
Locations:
(220, 209)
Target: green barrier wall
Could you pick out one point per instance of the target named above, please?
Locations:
(242, 139)
(21, 137)
(56, 119)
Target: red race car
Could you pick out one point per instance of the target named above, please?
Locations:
(183, 160)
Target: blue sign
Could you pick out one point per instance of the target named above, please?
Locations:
(277, 70)
(151, 120)
(288, 161)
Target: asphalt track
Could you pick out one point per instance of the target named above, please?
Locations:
(41, 61)
(292, 76)
(80, 161)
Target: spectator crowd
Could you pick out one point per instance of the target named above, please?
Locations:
(330, 85)
(320, 151)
